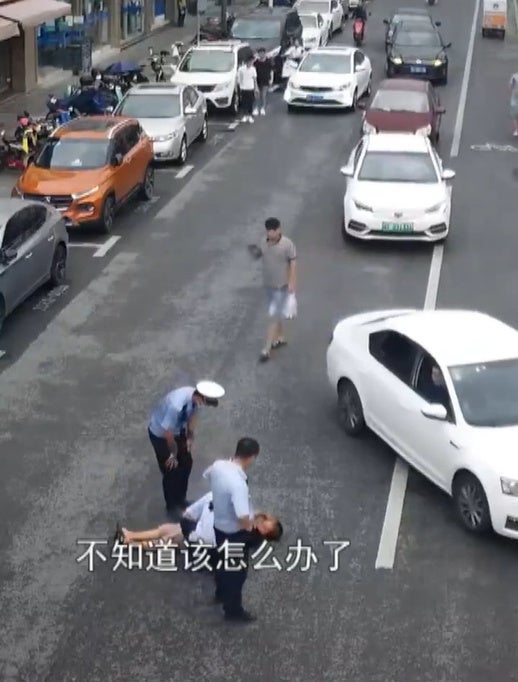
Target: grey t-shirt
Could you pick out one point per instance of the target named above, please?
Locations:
(276, 259)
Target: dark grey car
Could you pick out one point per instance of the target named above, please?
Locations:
(33, 250)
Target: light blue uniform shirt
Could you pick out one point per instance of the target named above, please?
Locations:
(173, 412)
(230, 496)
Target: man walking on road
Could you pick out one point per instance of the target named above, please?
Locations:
(280, 276)
(233, 521)
(264, 70)
(171, 432)
(247, 81)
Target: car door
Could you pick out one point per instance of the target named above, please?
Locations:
(390, 397)
(190, 120)
(435, 444)
(40, 242)
(196, 101)
(361, 71)
(353, 161)
(337, 14)
(121, 178)
(16, 275)
(132, 158)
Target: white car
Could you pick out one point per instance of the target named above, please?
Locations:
(330, 77)
(397, 189)
(441, 388)
(211, 68)
(331, 11)
(314, 31)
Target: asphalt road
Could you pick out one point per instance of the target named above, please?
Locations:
(177, 298)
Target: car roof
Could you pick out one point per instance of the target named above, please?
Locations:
(413, 26)
(458, 337)
(10, 206)
(155, 89)
(100, 127)
(222, 45)
(267, 13)
(397, 142)
(334, 49)
(411, 84)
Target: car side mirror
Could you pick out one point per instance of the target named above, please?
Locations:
(440, 110)
(117, 160)
(448, 174)
(189, 111)
(386, 22)
(348, 171)
(435, 411)
(438, 23)
(109, 110)
(8, 255)
(448, 45)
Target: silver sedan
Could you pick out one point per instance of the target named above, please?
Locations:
(173, 116)
(33, 251)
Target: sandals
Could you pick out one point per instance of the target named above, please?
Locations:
(265, 354)
(279, 343)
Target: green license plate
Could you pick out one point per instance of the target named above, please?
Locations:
(397, 227)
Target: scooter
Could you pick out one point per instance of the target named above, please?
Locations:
(14, 155)
(358, 32)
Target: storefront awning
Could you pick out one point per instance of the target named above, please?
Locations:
(32, 13)
(8, 29)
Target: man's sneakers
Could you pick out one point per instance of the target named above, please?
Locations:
(263, 111)
(256, 112)
(241, 617)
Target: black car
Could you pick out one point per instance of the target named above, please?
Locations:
(419, 52)
(270, 28)
(405, 15)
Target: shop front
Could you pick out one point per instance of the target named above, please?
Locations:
(132, 19)
(8, 31)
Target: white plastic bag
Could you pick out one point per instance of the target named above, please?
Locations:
(290, 307)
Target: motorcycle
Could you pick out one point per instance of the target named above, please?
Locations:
(15, 155)
(358, 32)
(161, 69)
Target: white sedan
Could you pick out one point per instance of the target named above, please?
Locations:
(331, 11)
(397, 189)
(441, 388)
(314, 32)
(330, 78)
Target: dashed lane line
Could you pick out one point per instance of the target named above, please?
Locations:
(184, 172)
(107, 246)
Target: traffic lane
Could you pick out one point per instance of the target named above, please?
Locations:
(90, 251)
(449, 592)
(189, 305)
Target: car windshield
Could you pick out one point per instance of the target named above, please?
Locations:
(150, 106)
(326, 63)
(398, 167)
(308, 21)
(250, 29)
(309, 7)
(401, 100)
(488, 392)
(213, 61)
(73, 153)
(418, 39)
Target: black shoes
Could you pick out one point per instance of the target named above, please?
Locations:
(241, 617)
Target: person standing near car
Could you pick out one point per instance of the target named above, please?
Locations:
(264, 70)
(247, 81)
(182, 10)
(171, 433)
(513, 102)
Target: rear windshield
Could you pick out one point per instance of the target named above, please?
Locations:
(254, 29)
(77, 154)
(310, 7)
(308, 21)
(401, 100)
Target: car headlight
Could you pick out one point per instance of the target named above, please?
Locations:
(344, 86)
(439, 61)
(166, 138)
(362, 207)
(396, 60)
(509, 486)
(82, 195)
(223, 86)
(368, 128)
(424, 131)
(435, 207)
(294, 84)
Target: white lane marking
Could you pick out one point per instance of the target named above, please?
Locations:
(459, 121)
(184, 172)
(233, 126)
(394, 511)
(108, 244)
(83, 245)
(216, 139)
(396, 498)
(2, 353)
(144, 206)
(490, 147)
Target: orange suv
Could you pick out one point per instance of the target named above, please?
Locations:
(88, 168)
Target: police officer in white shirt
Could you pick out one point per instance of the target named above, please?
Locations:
(233, 521)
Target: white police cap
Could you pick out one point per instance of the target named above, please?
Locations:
(210, 390)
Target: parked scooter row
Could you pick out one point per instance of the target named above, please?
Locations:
(163, 68)
(29, 136)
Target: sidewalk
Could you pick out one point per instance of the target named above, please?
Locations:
(35, 102)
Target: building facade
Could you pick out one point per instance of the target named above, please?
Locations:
(43, 41)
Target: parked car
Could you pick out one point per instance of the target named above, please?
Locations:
(172, 116)
(440, 387)
(404, 105)
(407, 15)
(33, 251)
(89, 168)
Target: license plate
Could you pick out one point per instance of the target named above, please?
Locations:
(397, 227)
(418, 69)
(314, 98)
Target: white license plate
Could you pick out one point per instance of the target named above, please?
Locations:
(418, 69)
(314, 98)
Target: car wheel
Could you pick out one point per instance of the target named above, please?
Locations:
(204, 131)
(390, 71)
(148, 186)
(2, 313)
(108, 214)
(234, 105)
(330, 34)
(182, 157)
(368, 89)
(350, 409)
(354, 105)
(471, 503)
(58, 269)
(290, 108)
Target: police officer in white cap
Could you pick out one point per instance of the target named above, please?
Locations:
(171, 432)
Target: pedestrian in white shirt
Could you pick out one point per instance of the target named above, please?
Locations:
(247, 80)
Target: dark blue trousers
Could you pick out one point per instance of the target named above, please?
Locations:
(229, 583)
